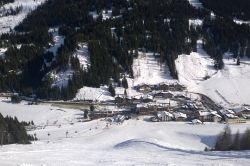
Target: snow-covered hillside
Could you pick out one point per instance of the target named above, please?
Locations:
(82, 54)
(8, 23)
(228, 87)
(135, 142)
(148, 70)
(94, 94)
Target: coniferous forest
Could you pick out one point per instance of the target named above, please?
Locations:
(160, 26)
(13, 131)
(227, 141)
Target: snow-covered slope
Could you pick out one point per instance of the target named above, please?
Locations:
(9, 22)
(194, 68)
(57, 39)
(82, 54)
(135, 142)
(148, 70)
(95, 94)
(228, 87)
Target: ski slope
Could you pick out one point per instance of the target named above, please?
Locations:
(147, 69)
(228, 87)
(7, 23)
(135, 142)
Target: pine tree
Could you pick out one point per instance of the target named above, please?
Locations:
(124, 83)
(245, 141)
(111, 90)
(236, 142)
(224, 140)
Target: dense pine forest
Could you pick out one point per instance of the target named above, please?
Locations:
(160, 26)
(227, 141)
(13, 131)
(229, 8)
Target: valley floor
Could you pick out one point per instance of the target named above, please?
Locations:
(134, 142)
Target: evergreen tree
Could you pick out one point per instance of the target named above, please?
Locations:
(124, 83)
(236, 142)
(111, 90)
(224, 140)
(245, 141)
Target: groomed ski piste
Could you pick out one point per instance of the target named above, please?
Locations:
(134, 142)
(63, 139)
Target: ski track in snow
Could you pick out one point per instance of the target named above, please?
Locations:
(135, 142)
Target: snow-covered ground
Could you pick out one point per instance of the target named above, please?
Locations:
(240, 22)
(60, 79)
(82, 54)
(2, 52)
(195, 22)
(148, 70)
(227, 87)
(192, 69)
(57, 39)
(39, 114)
(135, 142)
(196, 3)
(9, 22)
(95, 94)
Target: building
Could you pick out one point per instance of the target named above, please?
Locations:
(179, 116)
(160, 95)
(243, 112)
(206, 116)
(164, 116)
(144, 88)
(235, 120)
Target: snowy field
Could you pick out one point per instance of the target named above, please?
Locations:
(135, 142)
(229, 87)
(9, 22)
